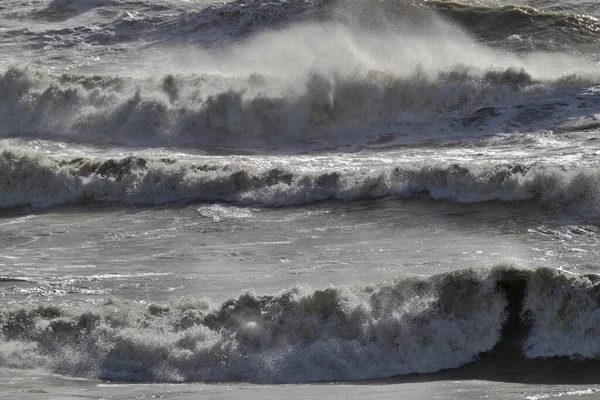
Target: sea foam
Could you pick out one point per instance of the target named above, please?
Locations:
(33, 179)
(410, 325)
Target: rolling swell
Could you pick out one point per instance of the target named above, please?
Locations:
(35, 180)
(522, 28)
(412, 325)
(517, 27)
(238, 19)
(123, 22)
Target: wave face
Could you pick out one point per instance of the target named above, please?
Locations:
(169, 23)
(523, 28)
(413, 325)
(35, 180)
(515, 27)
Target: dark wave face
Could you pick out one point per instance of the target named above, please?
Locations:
(117, 25)
(512, 26)
(168, 23)
(415, 325)
(522, 28)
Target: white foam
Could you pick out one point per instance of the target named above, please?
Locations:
(32, 179)
(409, 326)
(564, 313)
(219, 212)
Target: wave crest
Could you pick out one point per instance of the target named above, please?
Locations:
(415, 325)
(36, 180)
(411, 325)
(263, 111)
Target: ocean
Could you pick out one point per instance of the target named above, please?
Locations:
(296, 199)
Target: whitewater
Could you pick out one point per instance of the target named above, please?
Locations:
(299, 199)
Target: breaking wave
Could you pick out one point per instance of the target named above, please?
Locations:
(31, 179)
(205, 25)
(412, 325)
(261, 111)
(317, 74)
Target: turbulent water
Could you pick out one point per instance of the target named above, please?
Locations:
(415, 325)
(294, 191)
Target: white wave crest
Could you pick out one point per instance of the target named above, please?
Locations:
(564, 313)
(32, 179)
(410, 326)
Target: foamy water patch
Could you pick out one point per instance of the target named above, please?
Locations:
(564, 313)
(319, 106)
(136, 180)
(219, 212)
(408, 326)
(411, 325)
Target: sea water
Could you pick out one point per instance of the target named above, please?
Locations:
(299, 199)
